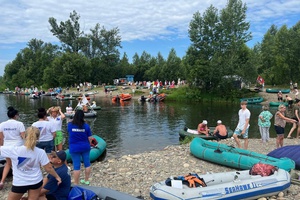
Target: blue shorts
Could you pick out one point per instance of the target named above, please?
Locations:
(76, 158)
(238, 132)
(279, 130)
(48, 146)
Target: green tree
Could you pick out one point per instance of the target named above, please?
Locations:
(69, 33)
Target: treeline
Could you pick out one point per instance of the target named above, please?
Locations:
(218, 49)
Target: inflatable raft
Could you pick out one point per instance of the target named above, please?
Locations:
(290, 151)
(183, 133)
(95, 152)
(89, 114)
(227, 185)
(108, 194)
(234, 157)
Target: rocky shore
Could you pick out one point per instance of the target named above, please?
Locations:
(134, 174)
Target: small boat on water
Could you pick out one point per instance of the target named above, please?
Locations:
(89, 114)
(235, 157)
(252, 100)
(277, 103)
(273, 90)
(183, 133)
(95, 152)
(233, 185)
(290, 151)
(121, 97)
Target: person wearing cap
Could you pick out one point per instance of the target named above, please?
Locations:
(279, 96)
(203, 128)
(243, 125)
(264, 123)
(56, 118)
(51, 190)
(220, 131)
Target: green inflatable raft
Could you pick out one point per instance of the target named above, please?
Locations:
(234, 157)
(95, 152)
(183, 133)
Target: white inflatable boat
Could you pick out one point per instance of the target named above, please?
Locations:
(227, 185)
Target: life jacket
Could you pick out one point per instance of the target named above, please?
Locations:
(191, 180)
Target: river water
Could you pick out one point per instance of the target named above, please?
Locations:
(135, 127)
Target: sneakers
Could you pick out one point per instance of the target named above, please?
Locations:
(82, 181)
(289, 137)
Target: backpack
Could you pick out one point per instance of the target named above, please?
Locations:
(262, 169)
(78, 193)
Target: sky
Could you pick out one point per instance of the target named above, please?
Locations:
(152, 26)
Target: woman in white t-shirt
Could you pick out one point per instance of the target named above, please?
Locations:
(26, 162)
(47, 131)
(12, 133)
(56, 118)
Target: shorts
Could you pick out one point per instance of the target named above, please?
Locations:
(58, 138)
(50, 197)
(279, 130)
(25, 188)
(238, 132)
(48, 146)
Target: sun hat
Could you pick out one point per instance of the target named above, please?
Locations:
(204, 122)
(60, 154)
(219, 122)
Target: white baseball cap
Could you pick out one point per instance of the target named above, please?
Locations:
(219, 122)
(204, 122)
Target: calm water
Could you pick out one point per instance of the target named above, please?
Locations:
(136, 127)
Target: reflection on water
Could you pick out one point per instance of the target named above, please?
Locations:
(134, 127)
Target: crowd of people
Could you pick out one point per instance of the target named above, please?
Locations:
(264, 124)
(41, 145)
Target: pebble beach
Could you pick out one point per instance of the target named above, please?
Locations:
(134, 174)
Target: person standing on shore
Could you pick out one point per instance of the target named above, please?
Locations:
(47, 131)
(26, 162)
(296, 116)
(80, 138)
(279, 123)
(12, 133)
(243, 125)
(264, 124)
(56, 118)
(279, 96)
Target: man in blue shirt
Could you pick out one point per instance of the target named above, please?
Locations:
(51, 190)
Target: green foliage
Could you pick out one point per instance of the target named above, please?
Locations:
(187, 139)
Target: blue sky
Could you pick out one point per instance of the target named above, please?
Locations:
(145, 25)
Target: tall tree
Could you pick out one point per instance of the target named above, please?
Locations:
(69, 33)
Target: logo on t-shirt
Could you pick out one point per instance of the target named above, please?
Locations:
(22, 163)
